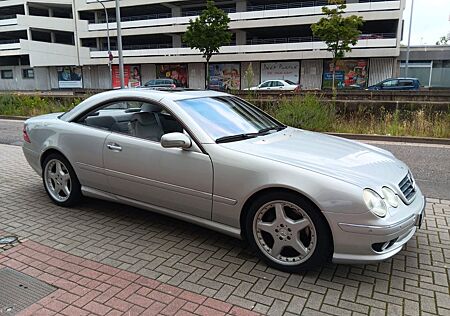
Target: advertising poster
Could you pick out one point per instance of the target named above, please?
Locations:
(224, 77)
(350, 73)
(70, 77)
(177, 72)
(281, 70)
(132, 74)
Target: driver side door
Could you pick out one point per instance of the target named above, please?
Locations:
(140, 169)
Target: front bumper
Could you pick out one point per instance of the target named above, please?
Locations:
(356, 243)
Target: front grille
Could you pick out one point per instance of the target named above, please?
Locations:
(407, 186)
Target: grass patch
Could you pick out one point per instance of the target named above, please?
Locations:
(25, 105)
(312, 113)
(309, 112)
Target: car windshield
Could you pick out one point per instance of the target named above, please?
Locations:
(225, 117)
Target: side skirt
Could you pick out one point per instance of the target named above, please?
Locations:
(225, 229)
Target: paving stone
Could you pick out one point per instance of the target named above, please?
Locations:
(195, 259)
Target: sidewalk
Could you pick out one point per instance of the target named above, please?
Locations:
(100, 246)
(84, 287)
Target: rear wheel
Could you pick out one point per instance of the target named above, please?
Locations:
(60, 180)
(288, 232)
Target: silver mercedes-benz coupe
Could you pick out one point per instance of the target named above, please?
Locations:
(299, 198)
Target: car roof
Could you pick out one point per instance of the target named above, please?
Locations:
(141, 93)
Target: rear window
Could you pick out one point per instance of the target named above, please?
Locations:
(290, 82)
(406, 83)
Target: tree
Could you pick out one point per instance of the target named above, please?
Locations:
(337, 31)
(443, 41)
(208, 33)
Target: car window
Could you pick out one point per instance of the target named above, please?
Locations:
(265, 84)
(278, 84)
(150, 83)
(134, 118)
(405, 83)
(290, 82)
(159, 82)
(390, 83)
(226, 116)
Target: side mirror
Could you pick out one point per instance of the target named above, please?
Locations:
(176, 140)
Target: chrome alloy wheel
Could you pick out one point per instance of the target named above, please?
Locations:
(57, 180)
(284, 232)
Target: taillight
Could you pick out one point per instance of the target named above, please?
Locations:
(174, 86)
(25, 135)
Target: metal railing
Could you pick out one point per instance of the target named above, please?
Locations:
(198, 12)
(112, 19)
(134, 47)
(303, 39)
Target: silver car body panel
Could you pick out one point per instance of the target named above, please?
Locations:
(210, 183)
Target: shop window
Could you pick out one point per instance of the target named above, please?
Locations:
(7, 74)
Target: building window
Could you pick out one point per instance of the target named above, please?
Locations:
(28, 73)
(7, 74)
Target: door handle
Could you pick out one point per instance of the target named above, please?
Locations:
(114, 147)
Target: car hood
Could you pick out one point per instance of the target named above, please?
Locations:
(348, 160)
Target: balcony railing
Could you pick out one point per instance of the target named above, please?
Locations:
(134, 47)
(112, 19)
(198, 12)
(280, 6)
(303, 39)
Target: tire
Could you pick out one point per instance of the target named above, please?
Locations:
(296, 241)
(60, 181)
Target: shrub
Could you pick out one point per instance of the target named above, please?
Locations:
(25, 105)
(306, 112)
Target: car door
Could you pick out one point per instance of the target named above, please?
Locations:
(264, 85)
(140, 169)
(389, 85)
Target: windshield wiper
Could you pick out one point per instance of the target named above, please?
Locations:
(232, 138)
(272, 128)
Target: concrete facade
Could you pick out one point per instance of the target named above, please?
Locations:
(51, 34)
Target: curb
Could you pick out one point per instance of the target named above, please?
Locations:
(397, 139)
(14, 117)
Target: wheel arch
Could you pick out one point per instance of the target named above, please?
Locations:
(257, 194)
(48, 152)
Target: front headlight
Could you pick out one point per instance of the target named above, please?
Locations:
(390, 196)
(375, 203)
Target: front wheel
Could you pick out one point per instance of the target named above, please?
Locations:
(60, 181)
(288, 232)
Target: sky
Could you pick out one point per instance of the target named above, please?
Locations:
(430, 21)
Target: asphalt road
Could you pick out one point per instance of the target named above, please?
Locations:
(430, 163)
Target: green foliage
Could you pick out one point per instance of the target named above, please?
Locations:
(337, 31)
(24, 105)
(208, 32)
(306, 112)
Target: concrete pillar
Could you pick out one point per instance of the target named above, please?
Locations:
(98, 43)
(176, 11)
(96, 18)
(52, 37)
(241, 6)
(176, 40)
(241, 37)
(50, 12)
(26, 9)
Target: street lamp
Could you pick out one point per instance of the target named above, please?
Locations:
(119, 45)
(409, 39)
(109, 43)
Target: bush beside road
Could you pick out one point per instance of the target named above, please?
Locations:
(309, 111)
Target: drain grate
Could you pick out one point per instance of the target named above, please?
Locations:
(18, 291)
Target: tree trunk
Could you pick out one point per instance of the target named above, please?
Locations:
(207, 72)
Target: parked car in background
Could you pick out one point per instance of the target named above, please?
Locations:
(286, 85)
(163, 83)
(300, 198)
(397, 84)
